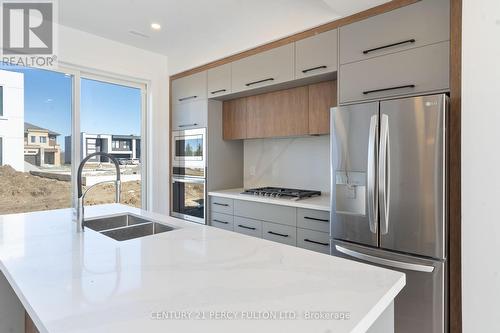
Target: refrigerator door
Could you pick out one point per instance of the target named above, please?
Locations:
(354, 146)
(411, 175)
(421, 305)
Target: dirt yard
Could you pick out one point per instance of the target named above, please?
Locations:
(21, 192)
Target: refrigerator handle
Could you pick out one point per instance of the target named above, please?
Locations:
(371, 174)
(385, 262)
(384, 174)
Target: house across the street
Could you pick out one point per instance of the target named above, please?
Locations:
(40, 146)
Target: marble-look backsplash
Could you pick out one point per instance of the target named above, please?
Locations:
(301, 162)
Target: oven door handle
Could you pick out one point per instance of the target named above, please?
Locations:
(188, 180)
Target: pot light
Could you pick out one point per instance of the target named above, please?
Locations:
(155, 26)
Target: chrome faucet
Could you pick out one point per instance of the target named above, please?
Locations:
(80, 220)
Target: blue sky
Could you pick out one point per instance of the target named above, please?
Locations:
(105, 108)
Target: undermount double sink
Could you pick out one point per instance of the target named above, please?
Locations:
(126, 226)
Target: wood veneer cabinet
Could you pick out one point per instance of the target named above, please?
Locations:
(322, 97)
(292, 112)
(278, 114)
(234, 114)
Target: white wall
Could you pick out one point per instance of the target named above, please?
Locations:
(84, 50)
(289, 162)
(12, 121)
(481, 166)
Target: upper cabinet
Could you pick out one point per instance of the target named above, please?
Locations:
(189, 88)
(219, 81)
(263, 69)
(322, 97)
(423, 23)
(316, 55)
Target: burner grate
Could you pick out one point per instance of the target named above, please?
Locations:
(278, 192)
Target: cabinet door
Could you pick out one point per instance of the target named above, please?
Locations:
(279, 233)
(421, 70)
(266, 212)
(222, 221)
(219, 81)
(263, 69)
(278, 114)
(313, 240)
(234, 119)
(322, 97)
(248, 227)
(316, 55)
(190, 115)
(423, 23)
(189, 88)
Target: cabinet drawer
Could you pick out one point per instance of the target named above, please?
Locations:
(190, 115)
(420, 70)
(219, 81)
(263, 69)
(423, 23)
(313, 240)
(266, 212)
(222, 221)
(189, 88)
(279, 233)
(221, 205)
(248, 226)
(313, 219)
(316, 55)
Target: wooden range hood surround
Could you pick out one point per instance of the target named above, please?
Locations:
(297, 111)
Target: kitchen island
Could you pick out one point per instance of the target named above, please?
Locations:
(192, 279)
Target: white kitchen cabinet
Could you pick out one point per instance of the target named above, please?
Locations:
(189, 88)
(423, 23)
(263, 69)
(219, 81)
(316, 54)
(190, 115)
(420, 70)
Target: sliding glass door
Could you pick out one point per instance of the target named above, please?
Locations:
(50, 120)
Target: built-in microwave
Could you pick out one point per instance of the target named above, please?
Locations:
(189, 152)
(188, 198)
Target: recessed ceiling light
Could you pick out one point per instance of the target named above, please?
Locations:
(155, 26)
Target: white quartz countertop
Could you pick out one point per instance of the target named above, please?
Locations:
(319, 203)
(185, 280)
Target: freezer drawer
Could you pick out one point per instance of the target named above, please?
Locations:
(421, 305)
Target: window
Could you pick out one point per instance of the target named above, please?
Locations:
(1, 151)
(43, 139)
(116, 144)
(1, 101)
(126, 145)
(33, 139)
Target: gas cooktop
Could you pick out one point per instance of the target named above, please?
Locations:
(278, 192)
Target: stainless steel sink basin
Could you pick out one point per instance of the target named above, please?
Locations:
(125, 227)
(113, 222)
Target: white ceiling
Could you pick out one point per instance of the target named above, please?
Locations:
(195, 32)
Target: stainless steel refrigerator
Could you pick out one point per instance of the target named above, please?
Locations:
(389, 202)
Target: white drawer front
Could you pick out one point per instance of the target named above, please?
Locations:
(190, 115)
(248, 226)
(266, 212)
(316, 54)
(313, 240)
(263, 69)
(221, 205)
(219, 81)
(420, 70)
(313, 219)
(279, 233)
(222, 221)
(423, 23)
(189, 88)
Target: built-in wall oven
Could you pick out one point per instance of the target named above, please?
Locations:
(189, 174)
(188, 152)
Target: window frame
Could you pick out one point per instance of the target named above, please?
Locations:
(1, 101)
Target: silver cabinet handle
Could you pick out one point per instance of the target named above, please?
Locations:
(385, 262)
(370, 174)
(186, 98)
(384, 175)
(188, 125)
